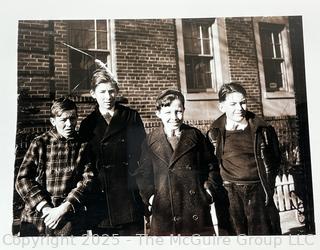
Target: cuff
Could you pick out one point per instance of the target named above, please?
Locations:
(42, 204)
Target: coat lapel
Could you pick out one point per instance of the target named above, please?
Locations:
(187, 141)
(118, 122)
(160, 146)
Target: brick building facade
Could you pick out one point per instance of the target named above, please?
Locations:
(148, 56)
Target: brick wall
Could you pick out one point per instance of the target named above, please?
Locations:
(33, 71)
(146, 61)
(243, 60)
(60, 59)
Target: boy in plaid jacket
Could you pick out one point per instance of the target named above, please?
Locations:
(55, 177)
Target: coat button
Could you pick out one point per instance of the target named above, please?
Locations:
(191, 192)
(176, 218)
(195, 217)
(188, 167)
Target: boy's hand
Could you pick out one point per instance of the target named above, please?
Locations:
(150, 202)
(54, 215)
(45, 211)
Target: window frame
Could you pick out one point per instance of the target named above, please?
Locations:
(287, 71)
(220, 60)
(111, 60)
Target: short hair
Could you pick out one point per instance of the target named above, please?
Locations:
(102, 76)
(229, 88)
(165, 98)
(62, 104)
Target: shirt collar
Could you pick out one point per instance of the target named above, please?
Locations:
(232, 125)
(172, 133)
(110, 111)
(57, 136)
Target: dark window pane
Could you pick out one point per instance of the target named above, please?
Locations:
(82, 34)
(188, 46)
(189, 74)
(101, 25)
(89, 41)
(186, 26)
(266, 44)
(207, 47)
(192, 46)
(198, 73)
(195, 30)
(102, 40)
(277, 45)
(86, 35)
(273, 61)
(197, 48)
(273, 75)
(205, 31)
(203, 74)
(82, 39)
(81, 68)
(195, 43)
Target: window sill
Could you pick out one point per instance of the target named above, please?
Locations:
(279, 95)
(201, 96)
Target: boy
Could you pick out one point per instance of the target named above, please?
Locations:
(249, 157)
(55, 177)
(176, 167)
(114, 133)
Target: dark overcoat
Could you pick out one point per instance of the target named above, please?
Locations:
(176, 178)
(115, 150)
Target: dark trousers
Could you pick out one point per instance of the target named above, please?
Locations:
(248, 213)
(29, 229)
(128, 229)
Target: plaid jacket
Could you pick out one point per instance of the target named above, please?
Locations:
(54, 169)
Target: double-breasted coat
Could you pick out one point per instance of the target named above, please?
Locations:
(115, 150)
(176, 178)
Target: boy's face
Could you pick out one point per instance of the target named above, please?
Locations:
(171, 116)
(105, 94)
(234, 106)
(65, 123)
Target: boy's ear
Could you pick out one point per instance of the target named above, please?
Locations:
(158, 114)
(92, 94)
(221, 107)
(53, 121)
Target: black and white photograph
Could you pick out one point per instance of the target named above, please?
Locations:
(194, 125)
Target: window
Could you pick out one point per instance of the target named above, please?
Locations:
(198, 55)
(203, 57)
(92, 37)
(273, 57)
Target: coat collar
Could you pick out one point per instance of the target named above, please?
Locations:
(162, 149)
(57, 137)
(254, 122)
(118, 122)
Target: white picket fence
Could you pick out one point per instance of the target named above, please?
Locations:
(284, 196)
